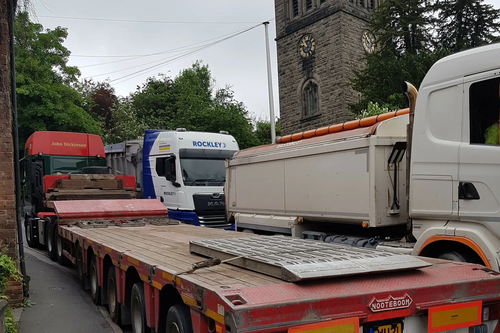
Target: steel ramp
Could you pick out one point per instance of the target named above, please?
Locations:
(106, 209)
(293, 259)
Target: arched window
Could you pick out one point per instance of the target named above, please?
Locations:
(310, 99)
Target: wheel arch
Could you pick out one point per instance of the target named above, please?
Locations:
(438, 245)
(107, 262)
(169, 296)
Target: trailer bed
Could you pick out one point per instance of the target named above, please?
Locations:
(245, 300)
(167, 248)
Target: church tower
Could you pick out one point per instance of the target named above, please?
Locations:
(320, 43)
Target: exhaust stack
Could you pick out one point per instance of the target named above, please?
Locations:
(411, 92)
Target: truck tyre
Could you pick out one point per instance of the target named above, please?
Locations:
(113, 305)
(30, 239)
(79, 266)
(454, 256)
(95, 289)
(179, 319)
(61, 259)
(51, 241)
(138, 309)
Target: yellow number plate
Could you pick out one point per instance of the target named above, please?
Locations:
(349, 325)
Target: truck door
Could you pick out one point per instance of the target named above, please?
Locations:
(165, 188)
(479, 152)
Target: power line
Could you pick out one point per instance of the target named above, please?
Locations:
(141, 21)
(176, 58)
(135, 74)
(180, 49)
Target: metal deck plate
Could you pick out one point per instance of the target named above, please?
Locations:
(293, 259)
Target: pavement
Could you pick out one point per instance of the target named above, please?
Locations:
(58, 303)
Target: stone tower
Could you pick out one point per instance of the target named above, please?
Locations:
(319, 43)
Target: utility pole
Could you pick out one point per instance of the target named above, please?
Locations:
(270, 86)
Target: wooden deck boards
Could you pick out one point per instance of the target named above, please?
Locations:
(167, 247)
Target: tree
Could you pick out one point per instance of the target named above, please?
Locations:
(126, 124)
(46, 100)
(466, 24)
(99, 99)
(402, 26)
(411, 36)
(380, 81)
(403, 52)
(263, 131)
(192, 101)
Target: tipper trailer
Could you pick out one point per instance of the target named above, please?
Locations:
(163, 276)
(426, 175)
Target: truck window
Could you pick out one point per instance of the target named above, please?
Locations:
(160, 166)
(165, 167)
(484, 112)
(67, 164)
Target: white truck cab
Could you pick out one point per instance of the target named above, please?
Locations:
(184, 170)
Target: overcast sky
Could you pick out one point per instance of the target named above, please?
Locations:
(101, 30)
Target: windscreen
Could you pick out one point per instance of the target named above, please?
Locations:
(203, 172)
(73, 164)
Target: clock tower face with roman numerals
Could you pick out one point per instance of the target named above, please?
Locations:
(320, 44)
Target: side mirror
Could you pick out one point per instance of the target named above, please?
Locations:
(176, 184)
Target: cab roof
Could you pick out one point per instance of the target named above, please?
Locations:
(64, 144)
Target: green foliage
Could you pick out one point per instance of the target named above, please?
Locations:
(192, 101)
(466, 23)
(126, 124)
(8, 271)
(402, 26)
(27, 303)
(263, 131)
(10, 324)
(411, 35)
(373, 109)
(45, 98)
(99, 98)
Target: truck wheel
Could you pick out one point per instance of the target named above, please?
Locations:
(454, 256)
(32, 241)
(61, 259)
(137, 309)
(79, 266)
(113, 305)
(51, 241)
(179, 319)
(95, 290)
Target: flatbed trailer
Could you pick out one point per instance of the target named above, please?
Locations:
(144, 272)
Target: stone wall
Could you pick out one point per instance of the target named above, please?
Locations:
(337, 26)
(8, 230)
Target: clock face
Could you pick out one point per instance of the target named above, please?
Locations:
(307, 46)
(368, 41)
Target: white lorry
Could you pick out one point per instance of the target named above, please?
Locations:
(348, 183)
(184, 170)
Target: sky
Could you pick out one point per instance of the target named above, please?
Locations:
(178, 30)
(127, 41)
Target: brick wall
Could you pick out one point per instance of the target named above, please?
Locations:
(7, 197)
(337, 26)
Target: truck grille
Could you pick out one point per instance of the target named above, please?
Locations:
(213, 221)
(210, 208)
